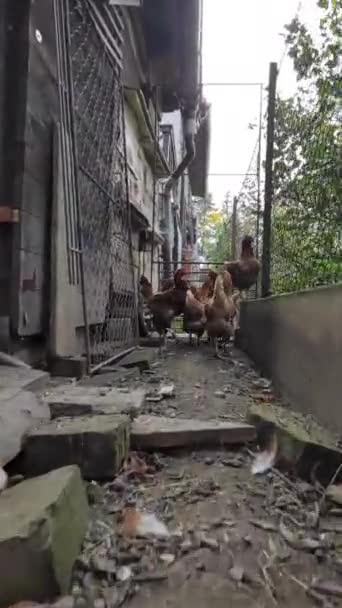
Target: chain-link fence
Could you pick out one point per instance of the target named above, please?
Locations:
(307, 203)
(102, 179)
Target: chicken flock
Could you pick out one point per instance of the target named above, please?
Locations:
(212, 308)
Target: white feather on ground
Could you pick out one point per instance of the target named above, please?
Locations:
(265, 460)
(3, 479)
(150, 525)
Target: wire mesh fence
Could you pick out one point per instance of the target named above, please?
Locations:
(102, 177)
(307, 202)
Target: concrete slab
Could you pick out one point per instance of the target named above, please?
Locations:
(22, 378)
(20, 411)
(157, 433)
(80, 400)
(42, 525)
(141, 358)
(303, 445)
(97, 444)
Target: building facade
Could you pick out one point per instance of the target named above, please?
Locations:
(97, 133)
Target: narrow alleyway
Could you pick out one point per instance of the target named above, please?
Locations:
(232, 539)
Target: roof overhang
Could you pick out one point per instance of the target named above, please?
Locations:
(170, 32)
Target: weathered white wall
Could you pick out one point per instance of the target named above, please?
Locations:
(139, 172)
(140, 178)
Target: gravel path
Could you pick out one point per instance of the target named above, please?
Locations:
(234, 539)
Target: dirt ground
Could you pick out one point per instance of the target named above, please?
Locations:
(234, 539)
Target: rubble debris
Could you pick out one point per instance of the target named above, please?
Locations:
(124, 573)
(262, 383)
(167, 558)
(151, 577)
(42, 525)
(300, 542)
(319, 600)
(327, 587)
(156, 432)
(334, 493)
(135, 466)
(167, 390)
(83, 400)
(236, 463)
(220, 394)
(97, 444)
(236, 574)
(263, 524)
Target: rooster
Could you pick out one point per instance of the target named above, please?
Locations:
(194, 320)
(221, 310)
(206, 291)
(245, 271)
(165, 305)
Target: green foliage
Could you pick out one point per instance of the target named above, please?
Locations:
(215, 229)
(307, 214)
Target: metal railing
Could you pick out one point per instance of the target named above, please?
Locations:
(109, 289)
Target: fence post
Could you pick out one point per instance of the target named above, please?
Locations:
(267, 224)
(234, 227)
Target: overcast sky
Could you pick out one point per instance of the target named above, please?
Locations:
(240, 39)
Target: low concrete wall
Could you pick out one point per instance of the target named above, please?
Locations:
(297, 340)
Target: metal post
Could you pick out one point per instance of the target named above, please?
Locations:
(257, 236)
(266, 250)
(259, 174)
(154, 200)
(234, 226)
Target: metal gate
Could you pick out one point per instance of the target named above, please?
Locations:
(94, 38)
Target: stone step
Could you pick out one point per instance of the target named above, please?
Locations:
(42, 525)
(158, 433)
(82, 400)
(97, 444)
(304, 446)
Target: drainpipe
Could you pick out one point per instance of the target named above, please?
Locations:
(190, 151)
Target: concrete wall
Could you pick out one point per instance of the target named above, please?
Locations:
(297, 340)
(42, 111)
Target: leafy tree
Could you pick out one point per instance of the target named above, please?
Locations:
(307, 217)
(216, 234)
